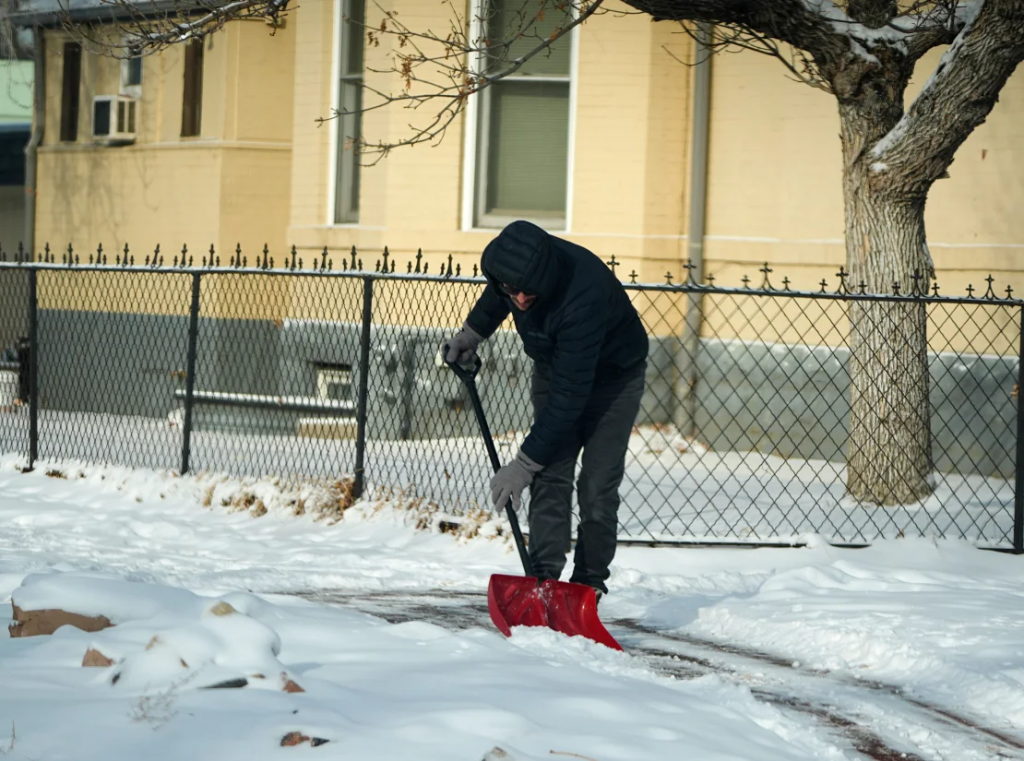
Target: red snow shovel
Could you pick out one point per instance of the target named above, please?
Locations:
(526, 600)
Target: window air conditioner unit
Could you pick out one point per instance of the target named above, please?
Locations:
(114, 119)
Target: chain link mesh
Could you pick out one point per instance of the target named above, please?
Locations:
(14, 429)
(744, 434)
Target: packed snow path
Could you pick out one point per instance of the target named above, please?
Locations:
(878, 720)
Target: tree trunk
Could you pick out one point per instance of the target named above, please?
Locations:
(889, 455)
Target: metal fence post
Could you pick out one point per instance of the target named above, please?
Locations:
(364, 376)
(1018, 487)
(190, 373)
(33, 368)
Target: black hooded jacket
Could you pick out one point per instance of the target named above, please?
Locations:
(582, 330)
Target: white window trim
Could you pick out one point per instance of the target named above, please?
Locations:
(472, 131)
(132, 91)
(335, 124)
(325, 376)
(332, 150)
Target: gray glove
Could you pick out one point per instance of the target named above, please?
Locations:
(461, 348)
(510, 481)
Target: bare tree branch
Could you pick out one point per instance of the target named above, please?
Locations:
(795, 22)
(132, 28)
(961, 93)
(458, 65)
(733, 39)
(8, 42)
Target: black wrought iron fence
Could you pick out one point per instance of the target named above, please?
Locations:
(834, 412)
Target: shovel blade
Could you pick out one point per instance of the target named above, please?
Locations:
(565, 607)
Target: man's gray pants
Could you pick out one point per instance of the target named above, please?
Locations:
(602, 432)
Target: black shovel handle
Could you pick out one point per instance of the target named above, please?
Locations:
(468, 377)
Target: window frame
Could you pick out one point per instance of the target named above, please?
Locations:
(334, 375)
(71, 93)
(476, 126)
(192, 92)
(344, 174)
(132, 90)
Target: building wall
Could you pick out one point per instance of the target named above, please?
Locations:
(228, 186)
(775, 190)
(631, 107)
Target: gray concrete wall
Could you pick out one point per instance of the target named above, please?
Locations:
(131, 364)
(791, 401)
(117, 363)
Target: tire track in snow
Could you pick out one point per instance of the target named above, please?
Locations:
(872, 717)
(1000, 739)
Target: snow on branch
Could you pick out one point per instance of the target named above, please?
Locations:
(962, 91)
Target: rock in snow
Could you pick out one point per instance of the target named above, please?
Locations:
(95, 658)
(31, 623)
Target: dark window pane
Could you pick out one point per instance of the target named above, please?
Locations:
(101, 117)
(192, 99)
(517, 21)
(527, 148)
(133, 75)
(352, 37)
(70, 91)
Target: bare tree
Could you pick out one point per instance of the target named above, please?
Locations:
(862, 52)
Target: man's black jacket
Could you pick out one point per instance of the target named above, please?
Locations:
(581, 330)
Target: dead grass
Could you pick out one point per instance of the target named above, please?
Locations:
(426, 515)
(324, 501)
(158, 708)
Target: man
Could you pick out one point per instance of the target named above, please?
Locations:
(589, 349)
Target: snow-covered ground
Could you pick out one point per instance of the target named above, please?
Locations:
(674, 489)
(937, 621)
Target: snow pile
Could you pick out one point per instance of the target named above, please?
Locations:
(324, 501)
(941, 621)
(164, 637)
(204, 640)
(370, 690)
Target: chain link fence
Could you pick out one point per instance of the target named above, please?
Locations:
(746, 432)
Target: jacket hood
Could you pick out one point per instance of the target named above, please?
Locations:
(523, 256)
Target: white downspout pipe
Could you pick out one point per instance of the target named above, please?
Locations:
(686, 360)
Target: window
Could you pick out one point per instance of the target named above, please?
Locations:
(334, 383)
(350, 101)
(131, 75)
(522, 147)
(192, 99)
(70, 92)
(101, 117)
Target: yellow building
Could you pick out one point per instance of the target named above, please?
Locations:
(593, 141)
